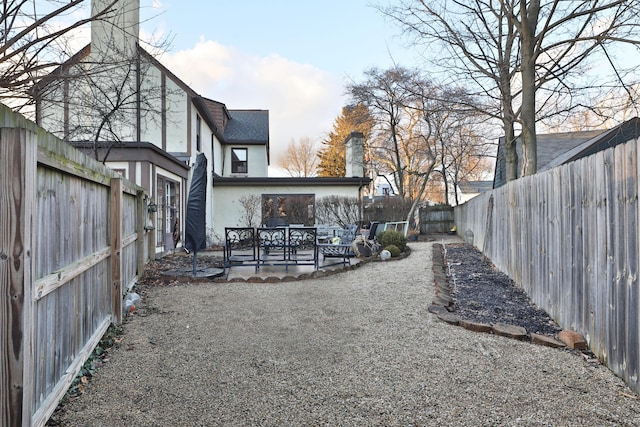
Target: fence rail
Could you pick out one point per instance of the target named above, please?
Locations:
(569, 237)
(72, 241)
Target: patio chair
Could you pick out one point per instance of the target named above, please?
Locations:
(340, 248)
(367, 245)
(239, 247)
(271, 245)
(302, 247)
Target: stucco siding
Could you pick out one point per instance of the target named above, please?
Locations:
(228, 211)
(151, 119)
(177, 120)
(256, 160)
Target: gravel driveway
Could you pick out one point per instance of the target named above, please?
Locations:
(354, 349)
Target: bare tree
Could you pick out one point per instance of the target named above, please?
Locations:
(520, 54)
(414, 119)
(300, 159)
(467, 158)
(338, 210)
(251, 205)
(478, 45)
(555, 39)
(385, 94)
(31, 47)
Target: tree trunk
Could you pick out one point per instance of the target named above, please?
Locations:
(510, 153)
(414, 205)
(529, 18)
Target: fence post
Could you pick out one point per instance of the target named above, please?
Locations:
(116, 249)
(18, 163)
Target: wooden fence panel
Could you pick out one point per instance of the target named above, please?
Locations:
(56, 264)
(570, 238)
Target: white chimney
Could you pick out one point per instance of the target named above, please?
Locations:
(355, 155)
(116, 33)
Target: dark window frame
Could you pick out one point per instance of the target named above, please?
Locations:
(237, 165)
(198, 133)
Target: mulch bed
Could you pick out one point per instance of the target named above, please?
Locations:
(483, 294)
(155, 271)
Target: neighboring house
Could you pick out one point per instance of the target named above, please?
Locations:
(161, 125)
(559, 148)
(470, 189)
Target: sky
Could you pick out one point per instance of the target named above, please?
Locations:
(290, 57)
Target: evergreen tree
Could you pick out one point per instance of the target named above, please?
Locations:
(333, 154)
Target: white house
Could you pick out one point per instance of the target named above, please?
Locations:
(116, 101)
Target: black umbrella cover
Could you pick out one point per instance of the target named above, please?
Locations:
(195, 227)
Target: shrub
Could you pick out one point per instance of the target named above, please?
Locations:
(394, 250)
(392, 237)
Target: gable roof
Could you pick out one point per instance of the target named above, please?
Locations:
(556, 149)
(247, 126)
(610, 138)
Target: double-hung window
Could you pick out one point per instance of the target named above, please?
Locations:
(239, 160)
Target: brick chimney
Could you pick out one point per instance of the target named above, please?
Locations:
(355, 155)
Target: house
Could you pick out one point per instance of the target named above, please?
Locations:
(117, 102)
(559, 148)
(470, 189)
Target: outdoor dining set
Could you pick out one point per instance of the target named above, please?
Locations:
(288, 245)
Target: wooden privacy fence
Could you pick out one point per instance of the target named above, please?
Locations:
(436, 219)
(569, 237)
(72, 240)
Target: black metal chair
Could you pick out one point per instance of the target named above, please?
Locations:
(302, 247)
(240, 247)
(271, 245)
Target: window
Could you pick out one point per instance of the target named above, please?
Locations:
(198, 134)
(283, 209)
(239, 160)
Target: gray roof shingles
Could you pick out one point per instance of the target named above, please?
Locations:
(559, 148)
(247, 126)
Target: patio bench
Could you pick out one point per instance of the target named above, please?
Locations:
(287, 246)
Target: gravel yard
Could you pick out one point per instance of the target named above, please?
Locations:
(358, 348)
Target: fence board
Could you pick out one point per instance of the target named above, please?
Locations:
(51, 282)
(577, 287)
(617, 312)
(632, 323)
(17, 184)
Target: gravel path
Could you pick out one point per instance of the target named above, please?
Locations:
(353, 349)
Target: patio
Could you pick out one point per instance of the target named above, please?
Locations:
(210, 268)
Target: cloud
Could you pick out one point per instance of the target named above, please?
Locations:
(303, 101)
